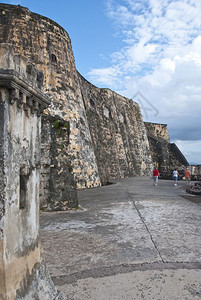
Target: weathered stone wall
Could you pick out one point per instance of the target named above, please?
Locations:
(118, 133)
(122, 147)
(165, 155)
(177, 159)
(21, 105)
(58, 188)
(89, 135)
(158, 131)
(47, 45)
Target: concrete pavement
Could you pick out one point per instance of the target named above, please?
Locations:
(129, 240)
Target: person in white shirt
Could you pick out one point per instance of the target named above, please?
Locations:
(175, 176)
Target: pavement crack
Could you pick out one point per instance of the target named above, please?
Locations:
(147, 228)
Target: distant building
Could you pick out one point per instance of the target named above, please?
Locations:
(195, 171)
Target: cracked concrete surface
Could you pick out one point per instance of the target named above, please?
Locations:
(129, 240)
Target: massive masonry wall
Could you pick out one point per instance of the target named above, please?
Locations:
(47, 46)
(118, 133)
(176, 157)
(89, 135)
(165, 155)
(96, 145)
(159, 131)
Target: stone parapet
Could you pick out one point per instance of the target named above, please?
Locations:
(23, 93)
(21, 105)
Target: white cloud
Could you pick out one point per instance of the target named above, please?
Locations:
(167, 65)
(161, 58)
(107, 76)
(140, 53)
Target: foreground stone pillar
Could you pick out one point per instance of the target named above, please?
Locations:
(22, 273)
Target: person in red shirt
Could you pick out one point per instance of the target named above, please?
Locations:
(155, 176)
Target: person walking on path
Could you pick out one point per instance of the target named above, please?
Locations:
(155, 176)
(175, 176)
(187, 175)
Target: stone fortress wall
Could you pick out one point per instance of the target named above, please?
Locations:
(166, 156)
(89, 135)
(158, 131)
(47, 47)
(58, 133)
(118, 133)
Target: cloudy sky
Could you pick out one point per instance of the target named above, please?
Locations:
(147, 50)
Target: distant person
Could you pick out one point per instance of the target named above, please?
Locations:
(175, 176)
(155, 176)
(187, 175)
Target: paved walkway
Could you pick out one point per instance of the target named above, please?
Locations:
(130, 240)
